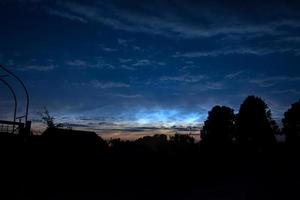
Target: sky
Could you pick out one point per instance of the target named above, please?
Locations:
(133, 67)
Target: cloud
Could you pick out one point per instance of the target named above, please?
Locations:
(192, 21)
(41, 68)
(66, 15)
(124, 60)
(233, 75)
(94, 13)
(210, 86)
(231, 51)
(107, 49)
(195, 83)
(105, 85)
(126, 96)
(291, 39)
(77, 63)
(97, 63)
(146, 62)
(273, 80)
(137, 48)
(124, 42)
(184, 78)
(123, 66)
(293, 91)
(142, 62)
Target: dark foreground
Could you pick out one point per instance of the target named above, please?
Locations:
(75, 167)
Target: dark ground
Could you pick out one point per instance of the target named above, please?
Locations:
(64, 167)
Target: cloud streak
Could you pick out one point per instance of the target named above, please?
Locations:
(66, 15)
(273, 80)
(105, 85)
(40, 68)
(145, 18)
(184, 78)
(236, 51)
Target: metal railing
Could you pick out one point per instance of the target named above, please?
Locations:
(14, 126)
(11, 127)
(9, 73)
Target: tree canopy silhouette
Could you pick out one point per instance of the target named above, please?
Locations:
(291, 123)
(47, 118)
(255, 125)
(219, 126)
(182, 139)
(154, 143)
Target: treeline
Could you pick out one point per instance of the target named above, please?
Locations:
(253, 125)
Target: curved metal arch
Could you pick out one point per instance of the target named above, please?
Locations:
(15, 99)
(24, 87)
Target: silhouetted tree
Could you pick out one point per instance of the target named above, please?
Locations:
(49, 119)
(291, 123)
(181, 139)
(255, 125)
(156, 139)
(181, 144)
(155, 143)
(219, 126)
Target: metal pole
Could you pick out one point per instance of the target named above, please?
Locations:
(15, 99)
(24, 87)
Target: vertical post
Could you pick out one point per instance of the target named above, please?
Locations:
(25, 131)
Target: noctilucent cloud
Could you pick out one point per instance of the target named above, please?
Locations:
(150, 63)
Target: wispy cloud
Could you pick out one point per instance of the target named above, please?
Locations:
(77, 63)
(125, 60)
(142, 62)
(233, 75)
(105, 85)
(273, 80)
(108, 49)
(124, 42)
(201, 20)
(146, 62)
(293, 91)
(127, 96)
(184, 78)
(41, 68)
(193, 21)
(66, 15)
(94, 13)
(291, 39)
(127, 67)
(231, 51)
(97, 63)
(210, 86)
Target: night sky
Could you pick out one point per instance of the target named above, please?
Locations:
(134, 67)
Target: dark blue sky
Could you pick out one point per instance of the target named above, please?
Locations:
(151, 62)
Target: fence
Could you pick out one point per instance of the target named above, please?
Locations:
(11, 127)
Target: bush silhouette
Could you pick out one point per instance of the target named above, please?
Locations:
(180, 139)
(291, 123)
(155, 143)
(255, 125)
(219, 126)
